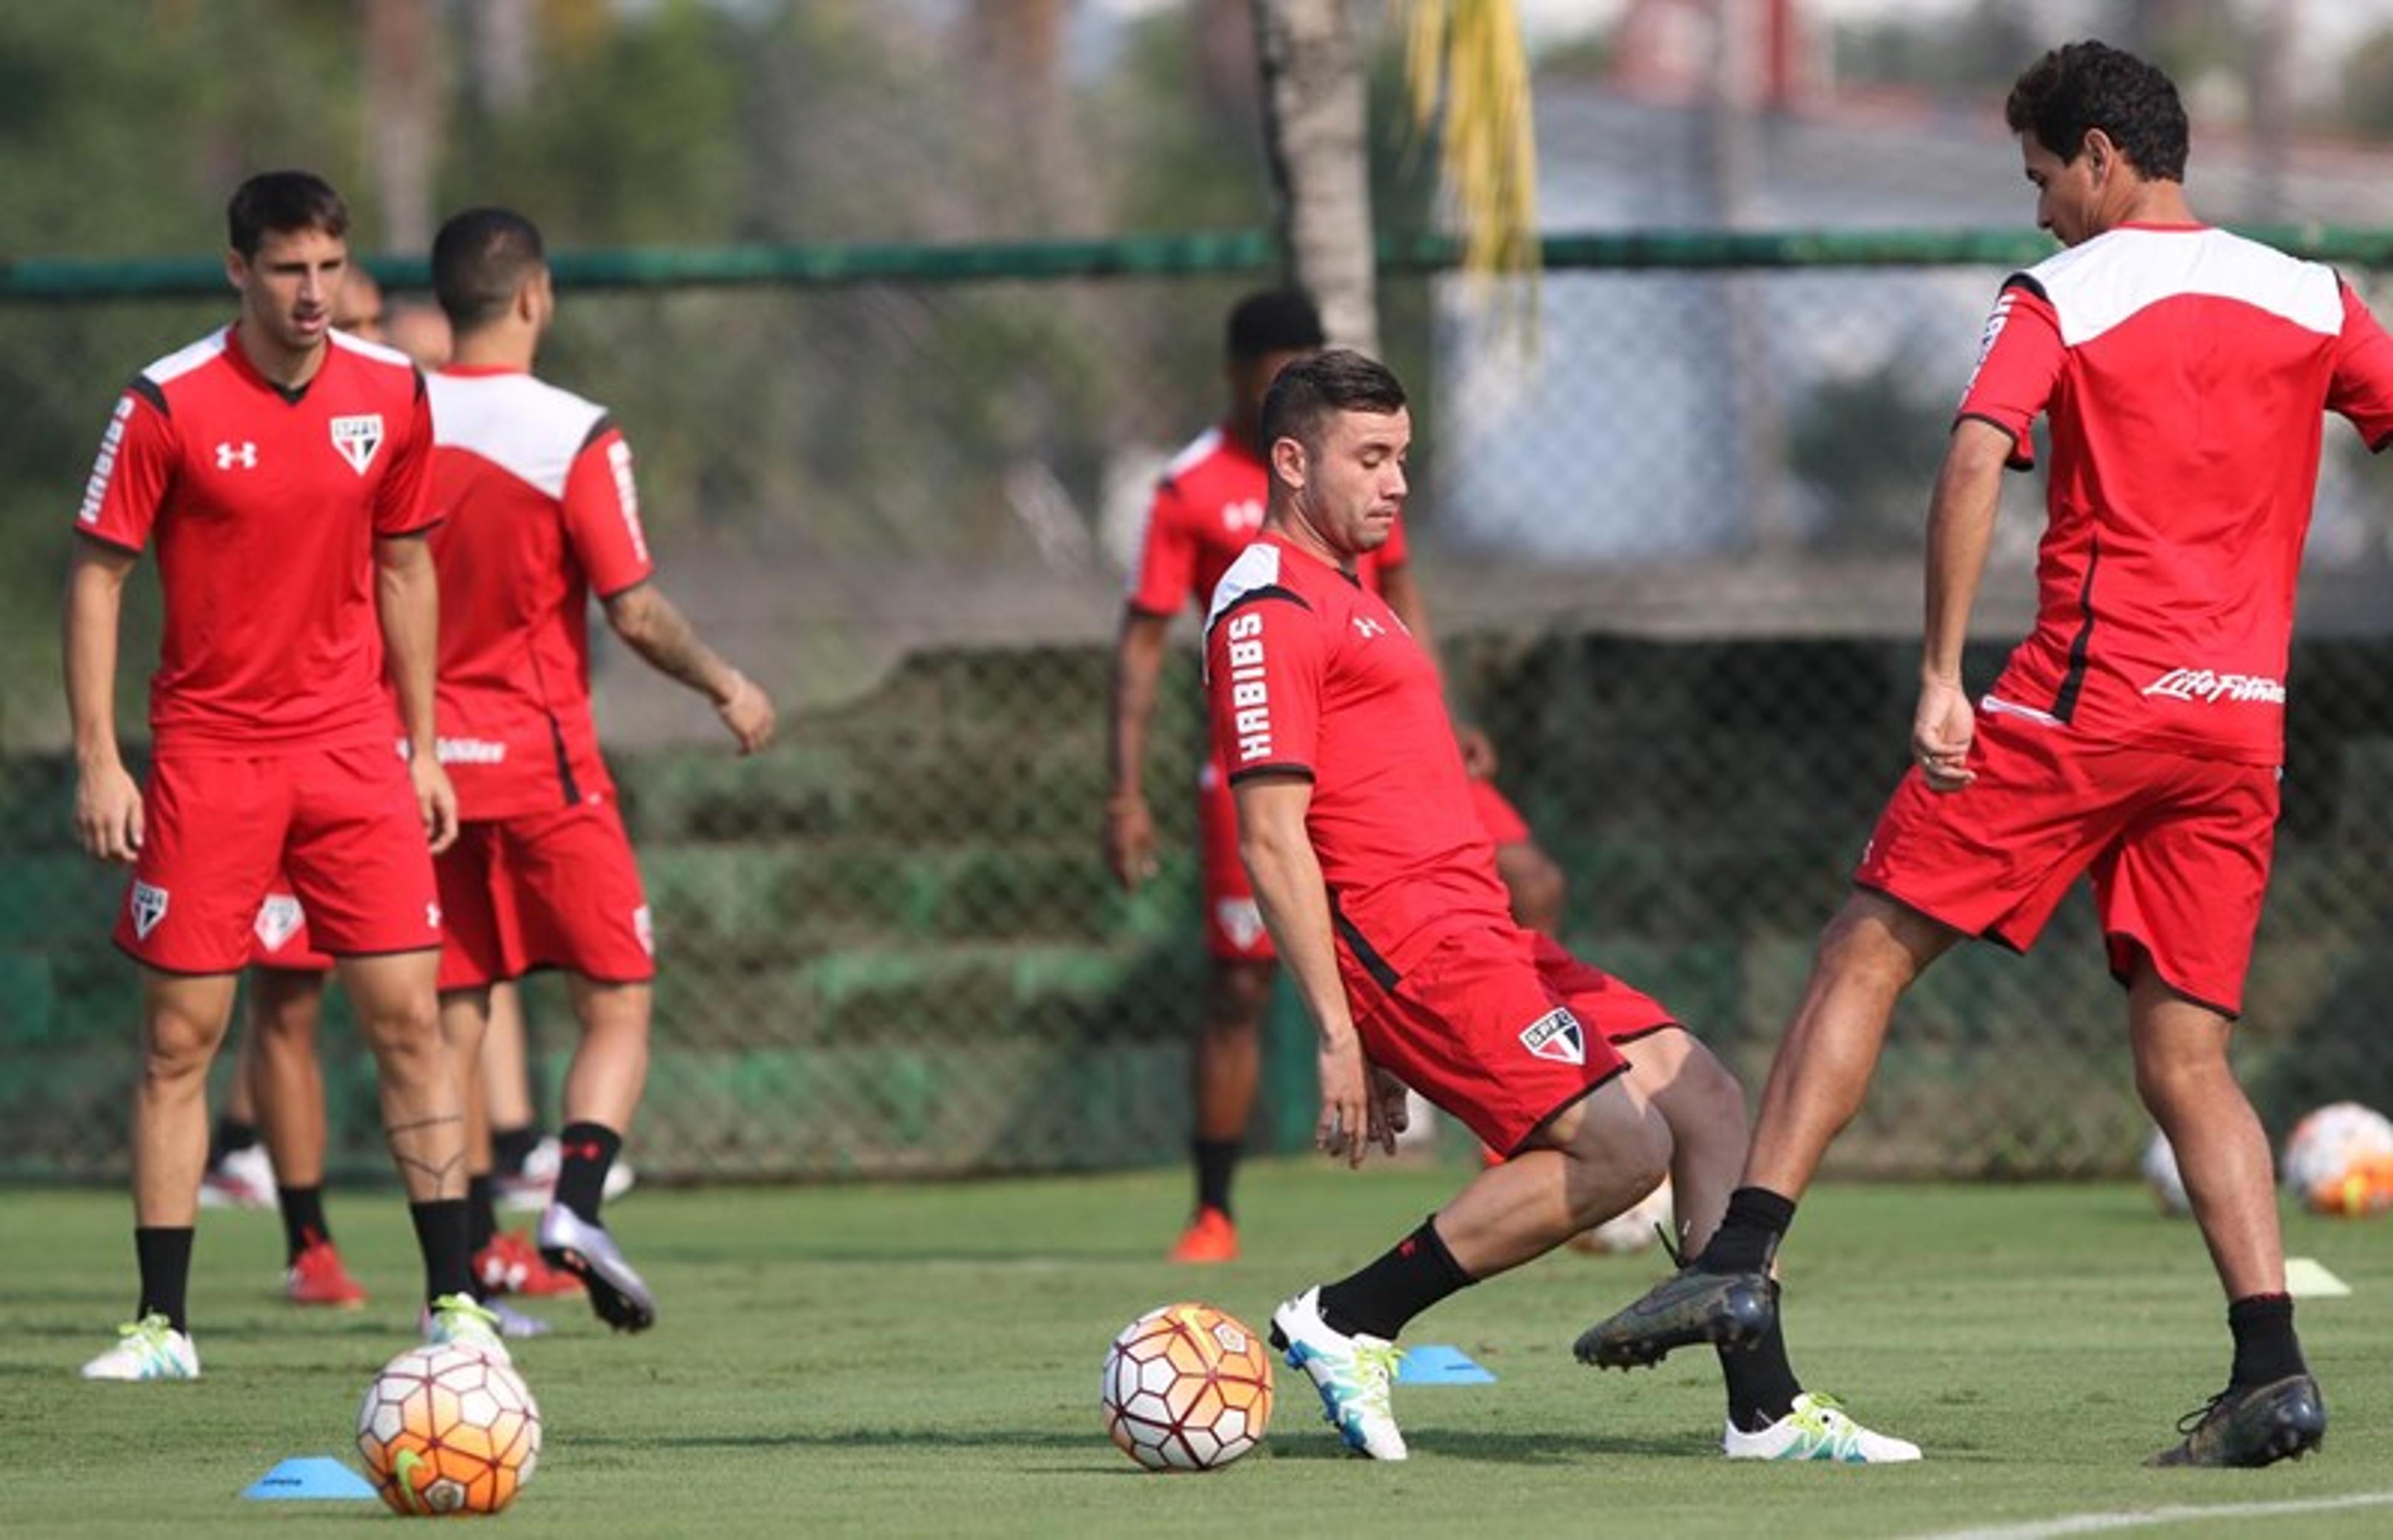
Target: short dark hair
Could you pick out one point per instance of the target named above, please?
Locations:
(1311, 390)
(276, 202)
(479, 259)
(2085, 86)
(1274, 320)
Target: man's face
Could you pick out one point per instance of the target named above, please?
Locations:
(1356, 487)
(288, 288)
(357, 308)
(2068, 193)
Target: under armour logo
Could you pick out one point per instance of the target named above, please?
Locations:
(244, 454)
(1367, 628)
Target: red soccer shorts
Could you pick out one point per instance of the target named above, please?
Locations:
(545, 890)
(341, 823)
(1499, 1026)
(1233, 924)
(2178, 848)
(281, 931)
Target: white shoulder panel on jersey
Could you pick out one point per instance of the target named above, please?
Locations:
(2114, 278)
(527, 427)
(373, 350)
(1257, 566)
(183, 360)
(1197, 449)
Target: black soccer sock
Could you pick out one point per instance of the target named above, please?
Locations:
(303, 1218)
(1384, 1296)
(232, 1134)
(588, 1151)
(1749, 1233)
(440, 1228)
(481, 1213)
(511, 1147)
(1761, 1384)
(164, 1255)
(1217, 1162)
(2266, 1348)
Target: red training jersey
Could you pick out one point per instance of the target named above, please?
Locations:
(2185, 372)
(1311, 673)
(264, 504)
(1207, 509)
(542, 513)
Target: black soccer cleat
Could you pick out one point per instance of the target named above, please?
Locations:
(1730, 1309)
(2257, 1424)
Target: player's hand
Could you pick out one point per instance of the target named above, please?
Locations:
(1130, 841)
(435, 799)
(1478, 753)
(747, 712)
(1391, 1109)
(1941, 732)
(108, 813)
(1347, 1112)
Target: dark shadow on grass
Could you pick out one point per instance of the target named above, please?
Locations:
(1524, 1448)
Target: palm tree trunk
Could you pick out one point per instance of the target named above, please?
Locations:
(1315, 131)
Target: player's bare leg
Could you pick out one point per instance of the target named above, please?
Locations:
(602, 1090)
(287, 1080)
(1867, 956)
(2271, 1407)
(1225, 1071)
(503, 1262)
(241, 1173)
(183, 1022)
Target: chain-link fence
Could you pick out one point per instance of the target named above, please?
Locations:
(1672, 556)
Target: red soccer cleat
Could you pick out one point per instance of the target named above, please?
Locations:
(317, 1277)
(511, 1264)
(1210, 1237)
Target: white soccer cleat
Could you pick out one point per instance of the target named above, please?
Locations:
(243, 1179)
(458, 1321)
(515, 1323)
(617, 1294)
(1818, 1429)
(148, 1349)
(530, 1190)
(1353, 1374)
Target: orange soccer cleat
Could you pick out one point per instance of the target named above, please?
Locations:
(1211, 1236)
(511, 1264)
(317, 1277)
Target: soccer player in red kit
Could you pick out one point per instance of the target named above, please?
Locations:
(541, 514)
(280, 468)
(1378, 881)
(2135, 734)
(1207, 509)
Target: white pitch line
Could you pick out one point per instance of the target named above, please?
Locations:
(2093, 1523)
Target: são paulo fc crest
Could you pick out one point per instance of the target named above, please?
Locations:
(278, 920)
(358, 438)
(644, 925)
(149, 907)
(1556, 1036)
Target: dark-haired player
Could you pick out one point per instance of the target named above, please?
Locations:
(1206, 510)
(280, 468)
(543, 514)
(2135, 735)
(1378, 881)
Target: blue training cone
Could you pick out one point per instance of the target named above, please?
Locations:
(317, 1477)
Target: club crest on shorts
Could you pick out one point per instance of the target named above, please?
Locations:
(149, 907)
(1241, 920)
(278, 919)
(1556, 1036)
(358, 438)
(644, 925)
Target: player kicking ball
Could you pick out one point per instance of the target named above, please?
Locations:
(1379, 885)
(543, 514)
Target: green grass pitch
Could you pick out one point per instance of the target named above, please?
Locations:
(922, 1360)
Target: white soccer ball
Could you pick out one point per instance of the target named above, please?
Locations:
(1635, 1228)
(2339, 1160)
(2163, 1177)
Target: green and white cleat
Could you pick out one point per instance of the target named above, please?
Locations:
(1352, 1373)
(148, 1349)
(458, 1321)
(1818, 1429)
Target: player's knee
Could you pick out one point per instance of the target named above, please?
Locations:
(179, 1046)
(1619, 1150)
(1239, 994)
